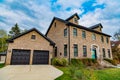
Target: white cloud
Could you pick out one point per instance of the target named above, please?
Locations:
(109, 17)
(44, 14)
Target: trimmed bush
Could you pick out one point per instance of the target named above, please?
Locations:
(89, 61)
(114, 62)
(59, 62)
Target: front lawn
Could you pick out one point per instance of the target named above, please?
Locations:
(2, 65)
(106, 74)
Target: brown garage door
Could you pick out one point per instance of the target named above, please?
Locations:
(40, 57)
(20, 57)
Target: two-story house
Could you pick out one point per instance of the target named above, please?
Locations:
(64, 38)
(76, 41)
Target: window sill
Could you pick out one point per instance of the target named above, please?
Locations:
(74, 36)
(65, 37)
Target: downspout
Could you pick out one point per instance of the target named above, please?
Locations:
(69, 43)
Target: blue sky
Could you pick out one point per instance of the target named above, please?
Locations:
(39, 13)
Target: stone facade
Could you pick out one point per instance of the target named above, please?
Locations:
(56, 33)
(25, 42)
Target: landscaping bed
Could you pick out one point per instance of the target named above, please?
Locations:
(86, 69)
(105, 74)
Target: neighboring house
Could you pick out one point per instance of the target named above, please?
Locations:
(115, 44)
(76, 41)
(2, 57)
(30, 47)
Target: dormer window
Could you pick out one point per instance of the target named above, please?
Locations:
(75, 20)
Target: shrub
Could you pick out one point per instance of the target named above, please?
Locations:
(111, 61)
(59, 61)
(89, 61)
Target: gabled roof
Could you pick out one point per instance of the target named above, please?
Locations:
(96, 26)
(55, 18)
(73, 16)
(33, 29)
(78, 26)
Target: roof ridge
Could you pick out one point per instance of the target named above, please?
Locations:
(72, 17)
(95, 26)
(11, 39)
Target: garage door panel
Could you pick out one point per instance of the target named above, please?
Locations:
(20, 57)
(40, 57)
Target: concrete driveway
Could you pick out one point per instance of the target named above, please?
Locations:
(27, 72)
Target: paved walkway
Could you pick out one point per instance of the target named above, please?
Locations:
(27, 72)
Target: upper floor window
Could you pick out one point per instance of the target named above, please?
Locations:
(74, 32)
(102, 39)
(75, 50)
(107, 40)
(109, 55)
(65, 32)
(84, 51)
(103, 50)
(93, 36)
(100, 29)
(55, 24)
(83, 34)
(33, 37)
(75, 20)
(65, 50)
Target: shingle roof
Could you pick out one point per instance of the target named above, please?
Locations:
(78, 26)
(115, 43)
(33, 29)
(96, 26)
(88, 29)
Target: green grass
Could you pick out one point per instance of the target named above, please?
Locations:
(2, 65)
(106, 74)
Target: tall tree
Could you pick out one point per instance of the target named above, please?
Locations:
(15, 30)
(3, 38)
(116, 35)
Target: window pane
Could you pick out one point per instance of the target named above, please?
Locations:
(75, 50)
(65, 50)
(84, 51)
(109, 53)
(75, 20)
(107, 40)
(83, 34)
(33, 37)
(93, 37)
(102, 39)
(74, 32)
(103, 50)
(65, 32)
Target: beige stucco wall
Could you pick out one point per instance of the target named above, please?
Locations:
(57, 35)
(25, 42)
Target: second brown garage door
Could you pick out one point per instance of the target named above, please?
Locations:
(40, 57)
